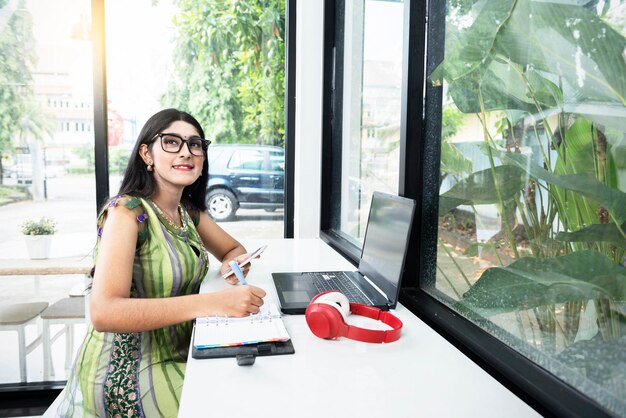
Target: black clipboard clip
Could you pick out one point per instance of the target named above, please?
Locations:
(245, 359)
(245, 354)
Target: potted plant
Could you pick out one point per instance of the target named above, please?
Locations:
(38, 235)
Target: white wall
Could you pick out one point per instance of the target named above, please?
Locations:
(308, 129)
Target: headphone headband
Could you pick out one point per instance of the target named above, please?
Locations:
(326, 315)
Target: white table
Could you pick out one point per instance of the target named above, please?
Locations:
(419, 375)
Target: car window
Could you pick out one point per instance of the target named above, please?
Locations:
(247, 159)
(214, 154)
(277, 161)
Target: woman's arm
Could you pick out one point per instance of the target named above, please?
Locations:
(113, 310)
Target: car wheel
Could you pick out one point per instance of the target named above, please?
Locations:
(221, 205)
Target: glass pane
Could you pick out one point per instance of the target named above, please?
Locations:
(201, 57)
(46, 143)
(531, 241)
(371, 107)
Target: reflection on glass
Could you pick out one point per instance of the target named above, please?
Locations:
(371, 91)
(532, 232)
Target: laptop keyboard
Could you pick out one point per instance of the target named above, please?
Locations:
(339, 281)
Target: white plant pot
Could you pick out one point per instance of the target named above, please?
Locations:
(38, 246)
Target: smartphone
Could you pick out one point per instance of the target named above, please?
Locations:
(254, 254)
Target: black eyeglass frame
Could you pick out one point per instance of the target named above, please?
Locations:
(205, 142)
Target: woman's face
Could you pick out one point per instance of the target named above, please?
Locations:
(179, 168)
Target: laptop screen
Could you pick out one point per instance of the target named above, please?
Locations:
(386, 241)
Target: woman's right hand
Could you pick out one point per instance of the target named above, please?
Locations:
(240, 300)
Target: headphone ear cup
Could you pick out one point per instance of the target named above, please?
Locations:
(324, 320)
(326, 314)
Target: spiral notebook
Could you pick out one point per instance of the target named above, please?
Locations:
(265, 326)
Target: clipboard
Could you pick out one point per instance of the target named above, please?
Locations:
(245, 351)
(245, 338)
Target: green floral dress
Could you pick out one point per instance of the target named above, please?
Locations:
(141, 374)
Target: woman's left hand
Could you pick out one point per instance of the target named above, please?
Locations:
(225, 268)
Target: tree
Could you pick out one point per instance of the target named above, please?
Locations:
(20, 113)
(17, 57)
(230, 63)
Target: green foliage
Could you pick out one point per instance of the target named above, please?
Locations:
(530, 282)
(9, 194)
(558, 175)
(230, 63)
(504, 61)
(20, 115)
(17, 51)
(118, 160)
(44, 226)
(85, 152)
(452, 161)
(482, 187)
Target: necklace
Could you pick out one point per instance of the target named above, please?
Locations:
(169, 219)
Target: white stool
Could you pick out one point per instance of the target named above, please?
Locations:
(15, 317)
(69, 312)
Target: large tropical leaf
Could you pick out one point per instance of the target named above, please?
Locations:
(482, 188)
(453, 161)
(563, 42)
(493, 85)
(613, 200)
(531, 282)
(473, 46)
(579, 154)
(596, 233)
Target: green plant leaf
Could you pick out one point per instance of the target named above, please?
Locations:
(531, 282)
(578, 154)
(446, 204)
(453, 161)
(613, 200)
(469, 49)
(596, 233)
(564, 42)
(479, 188)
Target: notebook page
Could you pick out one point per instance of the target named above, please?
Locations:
(266, 326)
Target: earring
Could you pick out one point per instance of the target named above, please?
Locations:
(149, 166)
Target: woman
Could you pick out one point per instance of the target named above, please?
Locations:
(150, 259)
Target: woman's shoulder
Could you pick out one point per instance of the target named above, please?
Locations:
(133, 204)
(125, 200)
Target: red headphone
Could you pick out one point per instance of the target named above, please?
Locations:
(326, 316)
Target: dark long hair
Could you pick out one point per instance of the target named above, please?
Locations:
(139, 182)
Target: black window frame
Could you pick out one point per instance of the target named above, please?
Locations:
(419, 170)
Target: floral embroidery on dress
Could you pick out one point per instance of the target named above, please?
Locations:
(121, 396)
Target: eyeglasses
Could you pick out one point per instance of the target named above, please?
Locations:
(174, 143)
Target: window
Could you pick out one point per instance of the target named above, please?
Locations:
(531, 165)
(46, 64)
(277, 161)
(369, 38)
(49, 85)
(517, 162)
(247, 160)
(237, 95)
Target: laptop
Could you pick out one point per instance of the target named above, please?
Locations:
(382, 262)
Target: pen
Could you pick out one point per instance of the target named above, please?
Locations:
(238, 273)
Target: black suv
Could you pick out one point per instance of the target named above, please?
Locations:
(244, 176)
